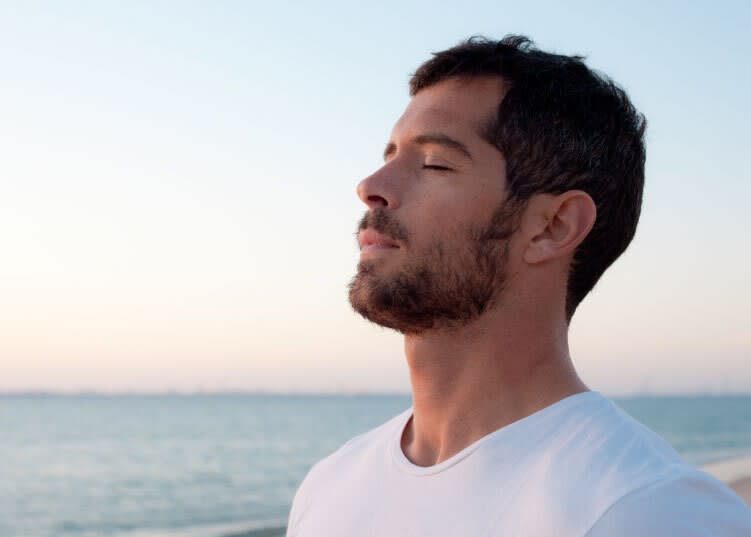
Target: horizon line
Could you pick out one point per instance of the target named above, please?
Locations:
(316, 393)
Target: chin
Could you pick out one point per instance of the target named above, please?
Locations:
(378, 307)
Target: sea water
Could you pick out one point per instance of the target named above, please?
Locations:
(214, 465)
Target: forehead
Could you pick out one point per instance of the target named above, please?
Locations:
(457, 105)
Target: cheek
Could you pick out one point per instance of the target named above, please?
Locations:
(447, 209)
(452, 198)
(440, 227)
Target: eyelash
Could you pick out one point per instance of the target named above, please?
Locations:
(436, 167)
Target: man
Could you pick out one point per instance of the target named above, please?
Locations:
(511, 182)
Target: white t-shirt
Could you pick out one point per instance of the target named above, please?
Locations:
(580, 467)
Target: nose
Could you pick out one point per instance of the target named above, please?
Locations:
(379, 189)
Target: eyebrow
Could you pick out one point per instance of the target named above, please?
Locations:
(437, 138)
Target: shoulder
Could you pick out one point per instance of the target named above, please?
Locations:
(371, 444)
(689, 503)
(598, 447)
(634, 483)
(344, 463)
(595, 458)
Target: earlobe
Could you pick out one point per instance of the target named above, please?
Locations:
(560, 225)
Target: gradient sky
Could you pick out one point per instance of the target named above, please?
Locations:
(177, 190)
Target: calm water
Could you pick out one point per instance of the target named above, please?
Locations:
(207, 466)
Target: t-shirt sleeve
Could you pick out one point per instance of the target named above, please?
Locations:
(299, 504)
(692, 505)
(293, 515)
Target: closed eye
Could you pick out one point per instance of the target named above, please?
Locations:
(436, 167)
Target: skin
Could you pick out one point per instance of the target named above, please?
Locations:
(496, 366)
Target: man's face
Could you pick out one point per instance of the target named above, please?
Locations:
(434, 242)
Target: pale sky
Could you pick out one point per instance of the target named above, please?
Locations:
(177, 190)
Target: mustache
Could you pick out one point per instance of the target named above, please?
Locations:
(381, 221)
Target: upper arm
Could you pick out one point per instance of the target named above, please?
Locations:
(693, 505)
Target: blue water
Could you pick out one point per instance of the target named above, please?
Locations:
(213, 465)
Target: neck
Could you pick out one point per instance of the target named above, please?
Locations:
(472, 381)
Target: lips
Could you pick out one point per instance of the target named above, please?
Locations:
(370, 239)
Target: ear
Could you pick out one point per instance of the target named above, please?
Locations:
(557, 224)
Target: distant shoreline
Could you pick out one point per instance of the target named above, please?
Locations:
(104, 394)
(736, 472)
(281, 393)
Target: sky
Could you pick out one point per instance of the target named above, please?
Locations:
(177, 190)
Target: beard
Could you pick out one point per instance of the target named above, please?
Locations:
(446, 286)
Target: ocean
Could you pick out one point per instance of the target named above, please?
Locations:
(228, 465)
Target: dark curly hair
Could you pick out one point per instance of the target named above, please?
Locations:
(560, 126)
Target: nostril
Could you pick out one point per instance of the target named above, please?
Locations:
(377, 200)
